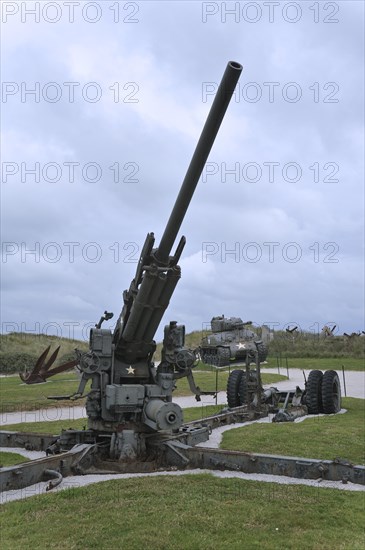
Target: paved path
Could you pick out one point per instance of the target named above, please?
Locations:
(354, 380)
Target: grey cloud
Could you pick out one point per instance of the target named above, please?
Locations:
(170, 53)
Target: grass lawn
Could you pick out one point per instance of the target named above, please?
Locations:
(17, 396)
(326, 437)
(206, 380)
(201, 511)
(8, 459)
(322, 363)
(187, 512)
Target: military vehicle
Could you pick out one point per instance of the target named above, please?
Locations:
(133, 424)
(231, 341)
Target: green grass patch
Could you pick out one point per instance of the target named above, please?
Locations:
(192, 511)
(206, 380)
(271, 378)
(324, 437)
(17, 396)
(9, 459)
(203, 411)
(52, 427)
(320, 363)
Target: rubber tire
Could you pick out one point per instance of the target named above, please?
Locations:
(242, 387)
(263, 351)
(233, 385)
(331, 392)
(314, 392)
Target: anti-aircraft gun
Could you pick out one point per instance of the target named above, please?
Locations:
(129, 398)
(131, 416)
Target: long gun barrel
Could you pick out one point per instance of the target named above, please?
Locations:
(157, 272)
(200, 156)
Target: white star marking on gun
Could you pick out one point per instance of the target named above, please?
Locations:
(241, 346)
(130, 370)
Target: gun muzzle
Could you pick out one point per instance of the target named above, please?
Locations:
(200, 156)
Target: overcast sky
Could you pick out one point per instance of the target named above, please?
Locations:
(102, 106)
